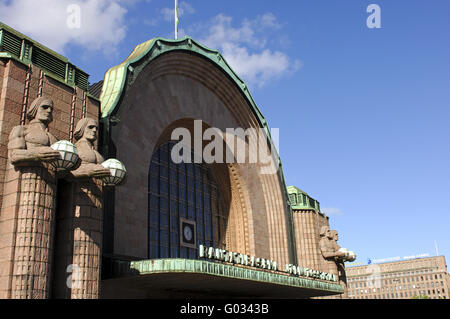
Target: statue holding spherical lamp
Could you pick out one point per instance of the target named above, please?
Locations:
(86, 134)
(83, 220)
(34, 173)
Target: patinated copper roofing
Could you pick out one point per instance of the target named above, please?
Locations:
(14, 45)
(300, 200)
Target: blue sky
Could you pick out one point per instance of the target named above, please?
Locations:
(363, 113)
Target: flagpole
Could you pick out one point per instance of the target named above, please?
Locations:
(176, 19)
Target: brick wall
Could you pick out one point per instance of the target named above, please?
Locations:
(13, 77)
(307, 224)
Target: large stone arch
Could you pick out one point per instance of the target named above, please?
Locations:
(184, 85)
(231, 187)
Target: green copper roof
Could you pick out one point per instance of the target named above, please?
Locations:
(35, 43)
(15, 45)
(301, 200)
(294, 189)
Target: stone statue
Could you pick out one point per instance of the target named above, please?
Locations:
(334, 237)
(328, 247)
(31, 143)
(85, 135)
(31, 154)
(80, 223)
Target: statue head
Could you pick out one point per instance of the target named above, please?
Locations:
(41, 109)
(86, 128)
(334, 235)
(324, 231)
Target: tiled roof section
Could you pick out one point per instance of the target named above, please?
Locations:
(96, 89)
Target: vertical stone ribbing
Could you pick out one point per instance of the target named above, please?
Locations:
(26, 94)
(84, 102)
(33, 251)
(307, 224)
(88, 234)
(79, 237)
(41, 83)
(72, 115)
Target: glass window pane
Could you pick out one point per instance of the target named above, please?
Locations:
(190, 212)
(173, 192)
(173, 207)
(154, 202)
(190, 197)
(190, 170)
(164, 187)
(154, 169)
(182, 209)
(182, 190)
(164, 171)
(182, 193)
(163, 204)
(199, 199)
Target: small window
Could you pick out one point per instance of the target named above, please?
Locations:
(312, 202)
(293, 199)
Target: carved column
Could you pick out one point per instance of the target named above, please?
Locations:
(342, 279)
(33, 249)
(79, 240)
(88, 234)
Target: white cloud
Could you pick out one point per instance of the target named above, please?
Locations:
(101, 26)
(331, 211)
(246, 48)
(267, 20)
(151, 22)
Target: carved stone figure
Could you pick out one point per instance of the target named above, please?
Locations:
(85, 134)
(331, 255)
(31, 143)
(334, 237)
(329, 248)
(34, 177)
(80, 219)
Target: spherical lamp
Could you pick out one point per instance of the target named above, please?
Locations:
(351, 256)
(69, 155)
(117, 170)
(344, 250)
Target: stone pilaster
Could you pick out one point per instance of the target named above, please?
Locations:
(79, 240)
(34, 228)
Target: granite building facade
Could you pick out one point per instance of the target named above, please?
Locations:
(64, 233)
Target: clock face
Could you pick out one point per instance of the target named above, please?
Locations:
(187, 233)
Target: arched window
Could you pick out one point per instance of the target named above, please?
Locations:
(182, 192)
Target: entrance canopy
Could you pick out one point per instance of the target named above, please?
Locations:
(187, 278)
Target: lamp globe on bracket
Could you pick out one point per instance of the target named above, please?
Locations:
(118, 172)
(69, 155)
